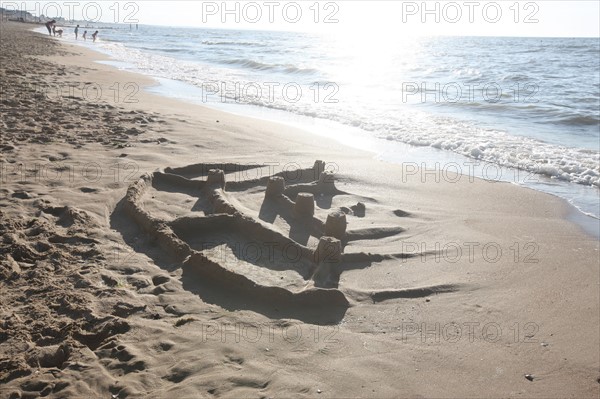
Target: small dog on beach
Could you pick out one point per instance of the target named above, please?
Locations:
(59, 32)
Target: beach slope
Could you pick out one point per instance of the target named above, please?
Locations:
(152, 248)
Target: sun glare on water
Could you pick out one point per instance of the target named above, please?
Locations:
(369, 57)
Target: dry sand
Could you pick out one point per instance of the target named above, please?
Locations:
(127, 268)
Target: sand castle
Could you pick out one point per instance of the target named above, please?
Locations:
(290, 272)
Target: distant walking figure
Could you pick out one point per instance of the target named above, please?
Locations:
(49, 26)
(84, 35)
(76, 31)
(94, 36)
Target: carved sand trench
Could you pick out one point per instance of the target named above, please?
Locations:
(220, 242)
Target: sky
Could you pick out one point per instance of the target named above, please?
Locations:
(556, 18)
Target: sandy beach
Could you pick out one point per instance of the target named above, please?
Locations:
(157, 249)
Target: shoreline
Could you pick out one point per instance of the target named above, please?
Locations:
(577, 197)
(142, 326)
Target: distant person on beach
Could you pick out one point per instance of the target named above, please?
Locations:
(94, 36)
(84, 35)
(50, 26)
(76, 31)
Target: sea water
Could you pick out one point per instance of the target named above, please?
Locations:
(525, 110)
